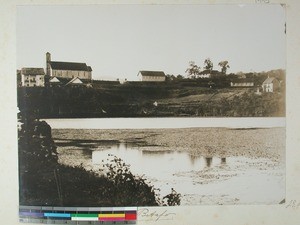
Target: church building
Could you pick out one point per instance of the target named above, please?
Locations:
(67, 70)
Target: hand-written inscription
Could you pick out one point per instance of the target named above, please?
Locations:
(293, 204)
(153, 215)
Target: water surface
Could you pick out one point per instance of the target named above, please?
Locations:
(153, 123)
(200, 180)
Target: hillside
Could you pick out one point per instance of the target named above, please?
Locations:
(135, 99)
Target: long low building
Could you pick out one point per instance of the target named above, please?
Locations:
(242, 83)
(152, 76)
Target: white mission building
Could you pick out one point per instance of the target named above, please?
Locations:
(152, 76)
(68, 70)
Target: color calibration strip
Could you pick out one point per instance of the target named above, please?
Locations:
(80, 215)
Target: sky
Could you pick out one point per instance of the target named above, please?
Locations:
(118, 41)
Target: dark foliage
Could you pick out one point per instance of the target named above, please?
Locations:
(38, 159)
(172, 199)
(252, 105)
(135, 188)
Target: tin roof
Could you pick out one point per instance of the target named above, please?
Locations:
(32, 71)
(75, 80)
(54, 80)
(152, 73)
(269, 80)
(242, 80)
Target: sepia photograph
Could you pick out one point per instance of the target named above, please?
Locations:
(151, 105)
(151, 61)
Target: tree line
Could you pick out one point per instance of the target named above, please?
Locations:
(193, 69)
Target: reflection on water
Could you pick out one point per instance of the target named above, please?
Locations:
(193, 158)
(155, 153)
(120, 150)
(147, 161)
(223, 161)
(208, 161)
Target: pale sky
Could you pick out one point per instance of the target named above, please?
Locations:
(117, 41)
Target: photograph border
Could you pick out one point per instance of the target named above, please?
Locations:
(287, 213)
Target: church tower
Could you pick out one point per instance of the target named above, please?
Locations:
(48, 60)
(47, 76)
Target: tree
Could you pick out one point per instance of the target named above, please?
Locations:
(193, 69)
(224, 66)
(170, 77)
(35, 144)
(179, 77)
(208, 65)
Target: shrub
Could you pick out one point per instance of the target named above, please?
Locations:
(135, 189)
(172, 199)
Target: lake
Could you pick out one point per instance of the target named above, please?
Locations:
(241, 178)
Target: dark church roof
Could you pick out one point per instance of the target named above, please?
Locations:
(152, 73)
(70, 66)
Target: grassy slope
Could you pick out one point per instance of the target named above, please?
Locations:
(137, 100)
